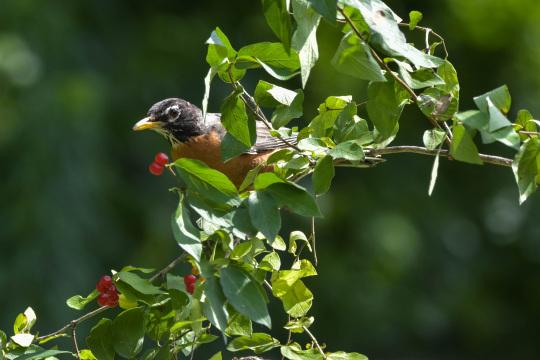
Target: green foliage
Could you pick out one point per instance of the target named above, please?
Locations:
(231, 236)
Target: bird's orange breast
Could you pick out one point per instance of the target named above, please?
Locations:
(207, 148)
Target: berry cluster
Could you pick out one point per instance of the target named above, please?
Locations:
(157, 166)
(189, 281)
(108, 295)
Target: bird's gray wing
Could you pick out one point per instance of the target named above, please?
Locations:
(265, 141)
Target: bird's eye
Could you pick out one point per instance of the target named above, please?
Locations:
(173, 112)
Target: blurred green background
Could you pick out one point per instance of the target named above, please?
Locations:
(402, 275)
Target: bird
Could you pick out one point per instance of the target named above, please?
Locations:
(196, 136)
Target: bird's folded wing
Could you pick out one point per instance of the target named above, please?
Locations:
(265, 140)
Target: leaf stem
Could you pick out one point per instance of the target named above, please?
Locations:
(314, 339)
(74, 337)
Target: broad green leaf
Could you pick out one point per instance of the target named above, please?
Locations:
(42, 354)
(100, 340)
(295, 352)
(304, 39)
(326, 8)
(340, 355)
(474, 119)
(433, 138)
(418, 79)
(128, 333)
(258, 343)
(278, 61)
(278, 18)
(384, 106)
(414, 18)
(497, 120)
(241, 250)
(287, 286)
(386, 35)
(271, 262)
(297, 325)
(24, 321)
(526, 168)
(238, 325)
(219, 49)
(245, 294)
(463, 147)
(231, 147)
(141, 285)
(353, 57)
(264, 213)
(185, 233)
(216, 356)
(207, 182)
(23, 339)
(207, 84)
(235, 119)
(313, 144)
(500, 97)
(448, 73)
(322, 125)
(323, 174)
(296, 236)
(349, 150)
(434, 174)
(214, 307)
(128, 268)
(78, 302)
(296, 198)
(288, 103)
(437, 104)
(262, 181)
(297, 300)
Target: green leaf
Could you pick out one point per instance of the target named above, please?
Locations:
(214, 306)
(323, 174)
(234, 118)
(24, 321)
(434, 174)
(264, 213)
(23, 339)
(239, 325)
(526, 167)
(349, 150)
(448, 73)
(278, 61)
(128, 332)
(288, 103)
(414, 18)
(245, 294)
(262, 181)
(297, 325)
(42, 354)
(386, 35)
(353, 57)
(100, 340)
(78, 302)
(340, 355)
(258, 343)
(497, 120)
(207, 182)
(287, 286)
(295, 352)
(277, 17)
(418, 79)
(296, 198)
(219, 49)
(271, 262)
(433, 138)
(141, 285)
(207, 83)
(327, 8)
(216, 356)
(296, 236)
(463, 147)
(437, 104)
(474, 119)
(304, 39)
(384, 106)
(500, 97)
(185, 233)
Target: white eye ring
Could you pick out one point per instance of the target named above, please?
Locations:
(174, 111)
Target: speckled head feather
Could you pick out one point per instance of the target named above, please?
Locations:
(178, 118)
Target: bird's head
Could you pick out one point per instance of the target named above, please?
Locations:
(176, 119)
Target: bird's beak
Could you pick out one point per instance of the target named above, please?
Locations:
(147, 123)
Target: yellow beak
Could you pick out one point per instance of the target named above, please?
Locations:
(147, 123)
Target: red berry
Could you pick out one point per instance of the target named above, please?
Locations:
(104, 283)
(109, 298)
(161, 158)
(189, 281)
(155, 169)
(190, 288)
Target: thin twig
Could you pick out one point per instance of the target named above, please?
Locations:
(426, 29)
(74, 323)
(313, 240)
(314, 339)
(529, 132)
(489, 159)
(74, 337)
(169, 267)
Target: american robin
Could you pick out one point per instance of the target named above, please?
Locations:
(195, 137)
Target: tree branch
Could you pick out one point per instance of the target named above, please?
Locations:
(488, 159)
